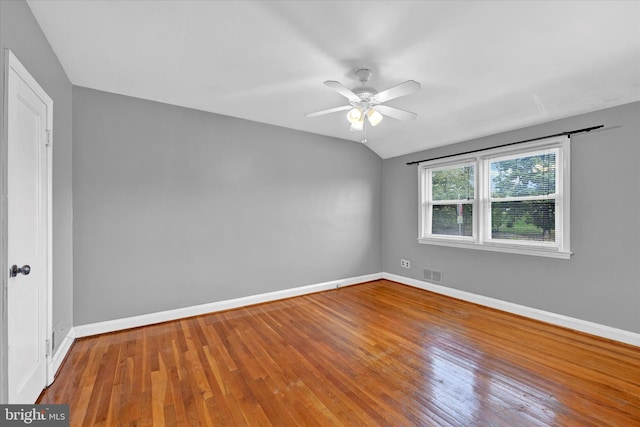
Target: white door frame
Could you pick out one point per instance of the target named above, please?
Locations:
(11, 63)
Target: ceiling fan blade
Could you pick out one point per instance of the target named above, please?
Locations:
(330, 110)
(397, 91)
(395, 113)
(342, 90)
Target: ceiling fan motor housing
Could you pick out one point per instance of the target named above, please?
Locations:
(365, 92)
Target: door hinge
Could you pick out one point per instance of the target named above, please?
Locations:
(48, 347)
(49, 138)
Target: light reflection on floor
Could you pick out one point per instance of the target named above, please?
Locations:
(475, 396)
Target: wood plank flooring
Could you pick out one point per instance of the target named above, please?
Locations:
(379, 353)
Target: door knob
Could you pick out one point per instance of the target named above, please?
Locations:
(15, 270)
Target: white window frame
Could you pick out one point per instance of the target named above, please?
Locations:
(481, 238)
(426, 203)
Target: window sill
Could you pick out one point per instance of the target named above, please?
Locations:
(511, 249)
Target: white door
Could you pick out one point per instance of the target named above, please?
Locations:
(28, 194)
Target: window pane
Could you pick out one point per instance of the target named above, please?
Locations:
(526, 220)
(452, 184)
(452, 220)
(524, 176)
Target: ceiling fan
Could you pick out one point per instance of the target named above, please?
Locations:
(365, 101)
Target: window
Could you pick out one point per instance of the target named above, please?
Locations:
(451, 201)
(504, 199)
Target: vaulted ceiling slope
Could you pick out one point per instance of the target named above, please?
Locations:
(484, 66)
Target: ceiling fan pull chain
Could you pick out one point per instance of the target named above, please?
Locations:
(364, 132)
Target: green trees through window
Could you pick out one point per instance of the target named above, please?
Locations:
(523, 197)
(502, 199)
(452, 191)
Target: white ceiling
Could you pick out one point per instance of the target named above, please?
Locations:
(485, 66)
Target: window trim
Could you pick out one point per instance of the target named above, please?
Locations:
(481, 236)
(474, 203)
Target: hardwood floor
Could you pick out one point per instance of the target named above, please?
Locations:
(379, 353)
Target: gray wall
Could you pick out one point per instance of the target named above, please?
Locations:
(20, 32)
(600, 283)
(176, 207)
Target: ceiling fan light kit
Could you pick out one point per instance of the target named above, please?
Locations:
(366, 101)
(354, 115)
(374, 117)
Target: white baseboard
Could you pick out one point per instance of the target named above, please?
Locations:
(196, 310)
(164, 316)
(57, 359)
(545, 316)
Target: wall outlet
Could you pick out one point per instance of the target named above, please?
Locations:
(405, 263)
